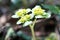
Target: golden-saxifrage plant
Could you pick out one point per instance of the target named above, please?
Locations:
(28, 17)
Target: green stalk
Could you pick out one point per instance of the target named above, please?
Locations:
(32, 30)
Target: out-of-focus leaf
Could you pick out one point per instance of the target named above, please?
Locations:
(15, 1)
(52, 36)
(27, 37)
(58, 6)
(41, 0)
(10, 33)
(16, 4)
(54, 9)
(21, 34)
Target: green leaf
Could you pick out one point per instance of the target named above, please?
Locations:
(52, 36)
(19, 33)
(10, 33)
(15, 1)
(23, 35)
(54, 9)
(27, 37)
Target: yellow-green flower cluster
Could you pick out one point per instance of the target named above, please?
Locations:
(25, 18)
(25, 15)
(38, 10)
(21, 12)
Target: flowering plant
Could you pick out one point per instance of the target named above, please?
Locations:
(29, 17)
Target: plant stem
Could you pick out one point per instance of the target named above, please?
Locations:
(32, 30)
(33, 34)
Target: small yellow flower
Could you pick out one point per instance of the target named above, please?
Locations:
(38, 10)
(22, 20)
(21, 12)
(27, 16)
